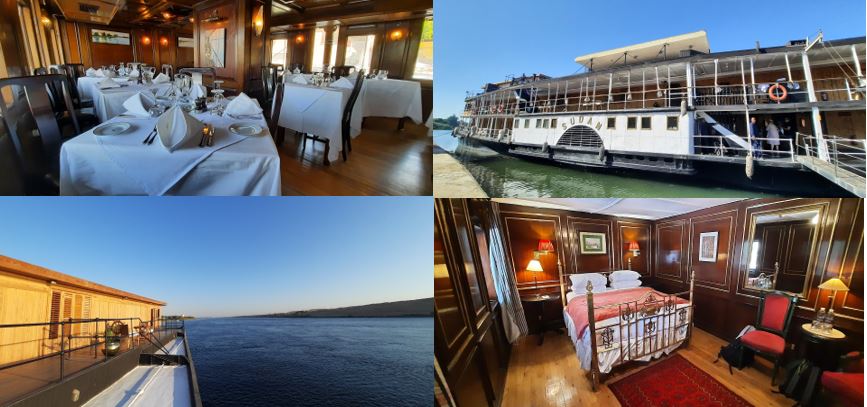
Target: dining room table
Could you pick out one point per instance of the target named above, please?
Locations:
(108, 102)
(123, 164)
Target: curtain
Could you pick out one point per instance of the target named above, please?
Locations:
(514, 321)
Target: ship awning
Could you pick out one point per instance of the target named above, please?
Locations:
(670, 47)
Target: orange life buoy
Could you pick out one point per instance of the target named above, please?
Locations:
(774, 96)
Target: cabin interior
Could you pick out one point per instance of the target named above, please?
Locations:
(259, 48)
(54, 326)
(511, 296)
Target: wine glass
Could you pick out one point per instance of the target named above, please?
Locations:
(218, 101)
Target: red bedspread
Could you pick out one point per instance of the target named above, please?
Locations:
(577, 308)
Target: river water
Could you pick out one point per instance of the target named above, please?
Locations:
(505, 176)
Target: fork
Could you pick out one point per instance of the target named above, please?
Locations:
(145, 141)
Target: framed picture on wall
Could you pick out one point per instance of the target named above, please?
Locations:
(215, 47)
(592, 243)
(707, 245)
(186, 42)
(109, 37)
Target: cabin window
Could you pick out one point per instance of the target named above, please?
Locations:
(538, 123)
(516, 123)
(611, 122)
(671, 122)
(630, 122)
(553, 123)
(545, 124)
(359, 51)
(278, 51)
(645, 123)
(526, 123)
(332, 58)
(424, 60)
(318, 50)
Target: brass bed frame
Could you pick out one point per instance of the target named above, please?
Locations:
(646, 311)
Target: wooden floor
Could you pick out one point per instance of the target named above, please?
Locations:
(383, 161)
(550, 375)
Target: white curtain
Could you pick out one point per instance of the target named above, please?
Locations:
(504, 282)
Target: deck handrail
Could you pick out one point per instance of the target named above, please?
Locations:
(786, 150)
(846, 154)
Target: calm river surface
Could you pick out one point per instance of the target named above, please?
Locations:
(504, 176)
(313, 361)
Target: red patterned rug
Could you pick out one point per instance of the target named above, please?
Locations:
(673, 382)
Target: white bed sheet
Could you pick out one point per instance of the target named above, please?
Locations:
(610, 357)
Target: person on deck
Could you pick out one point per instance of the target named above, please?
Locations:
(773, 136)
(754, 132)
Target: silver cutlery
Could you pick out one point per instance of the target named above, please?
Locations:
(145, 141)
(211, 137)
(204, 134)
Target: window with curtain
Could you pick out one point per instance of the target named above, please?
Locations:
(424, 61)
(359, 51)
(278, 51)
(318, 50)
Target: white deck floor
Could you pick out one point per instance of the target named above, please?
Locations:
(149, 385)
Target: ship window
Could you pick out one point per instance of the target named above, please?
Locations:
(538, 123)
(645, 123)
(517, 123)
(630, 122)
(526, 123)
(545, 124)
(671, 122)
(553, 123)
(611, 122)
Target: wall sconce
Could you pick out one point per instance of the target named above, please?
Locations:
(167, 15)
(396, 34)
(146, 40)
(164, 41)
(45, 21)
(259, 20)
(633, 247)
(299, 39)
(545, 246)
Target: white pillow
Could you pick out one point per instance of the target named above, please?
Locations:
(623, 275)
(579, 282)
(625, 284)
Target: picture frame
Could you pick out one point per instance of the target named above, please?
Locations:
(592, 243)
(215, 47)
(99, 36)
(186, 42)
(707, 246)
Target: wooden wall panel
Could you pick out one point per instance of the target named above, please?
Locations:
(669, 254)
(591, 263)
(716, 274)
(522, 232)
(639, 233)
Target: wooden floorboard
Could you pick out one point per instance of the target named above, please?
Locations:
(550, 375)
(383, 161)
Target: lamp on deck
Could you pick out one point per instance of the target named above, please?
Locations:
(535, 267)
(834, 285)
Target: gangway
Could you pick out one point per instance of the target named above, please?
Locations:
(845, 166)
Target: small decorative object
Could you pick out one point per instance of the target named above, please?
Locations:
(535, 267)
(592, 243)
(707, 246)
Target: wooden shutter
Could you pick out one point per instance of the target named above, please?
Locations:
(76, 313)
(67, 310)
(54, 315)
(85, 314)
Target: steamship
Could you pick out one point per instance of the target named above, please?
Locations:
(787, 118)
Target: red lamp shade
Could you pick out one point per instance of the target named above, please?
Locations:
(633, 246)
(546, 245)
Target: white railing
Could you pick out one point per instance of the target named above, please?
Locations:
(847, 156)
(761, 148)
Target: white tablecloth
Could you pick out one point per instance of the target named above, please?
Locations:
(108, 103)
(104, 166)
(87, 84)
(391, 98)
(316, 110)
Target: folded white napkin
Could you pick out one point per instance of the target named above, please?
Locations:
(299, 79)
(162, 78)
(90, 72)
(100, 73)
(134, 73)
(139, 104)
(242, 105)
(108, 83)
(342, 83)
(197, 91)
(175, 127)
(110, 74)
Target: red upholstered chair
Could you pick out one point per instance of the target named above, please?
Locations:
(769, 339)
(847, 385)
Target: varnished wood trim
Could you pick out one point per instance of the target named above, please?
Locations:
(724, 287)
(670, 225)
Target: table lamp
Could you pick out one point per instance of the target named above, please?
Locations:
(834, 285)
(535, 267)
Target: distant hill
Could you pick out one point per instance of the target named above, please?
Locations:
(423, 307)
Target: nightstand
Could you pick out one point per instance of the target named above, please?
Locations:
(821, 348)
(538, 310)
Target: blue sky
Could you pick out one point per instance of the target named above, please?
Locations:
(482, 41)
(232, 256)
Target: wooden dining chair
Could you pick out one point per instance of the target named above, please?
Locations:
(343, 70)
(40, 71)
(347, 114)
(277, 132)
(772, 324)
(269, 82)
(292, 68)
(12, 181)
(30, 109)
(208, 72)
(73, 72)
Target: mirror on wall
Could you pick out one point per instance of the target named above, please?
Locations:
(781, 249)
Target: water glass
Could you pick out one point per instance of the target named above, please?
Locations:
(219, 99)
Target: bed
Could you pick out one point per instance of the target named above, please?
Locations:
(618, 326)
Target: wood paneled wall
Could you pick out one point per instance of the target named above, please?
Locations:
(525, 226)
(146, 45)
(723, 305)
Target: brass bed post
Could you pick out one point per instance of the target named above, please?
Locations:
(594, 358)
(691, 306)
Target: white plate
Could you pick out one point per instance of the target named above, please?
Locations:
(246, 129)
(111, 129)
